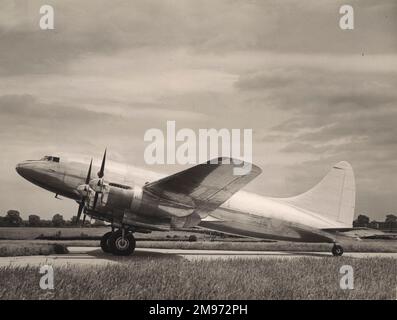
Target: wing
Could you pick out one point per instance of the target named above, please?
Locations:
(203, 187)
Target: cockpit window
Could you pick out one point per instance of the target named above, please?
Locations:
(50, 158)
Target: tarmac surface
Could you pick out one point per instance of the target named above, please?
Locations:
(89, 256)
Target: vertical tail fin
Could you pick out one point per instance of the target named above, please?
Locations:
(333, 197)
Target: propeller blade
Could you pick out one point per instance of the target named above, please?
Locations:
(79, 211)
(102, 171)
(87, 180)
(95, 199)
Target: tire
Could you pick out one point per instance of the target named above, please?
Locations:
(105, 242)
(337, 250)
(120, 247)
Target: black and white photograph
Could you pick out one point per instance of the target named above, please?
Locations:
(198, 150)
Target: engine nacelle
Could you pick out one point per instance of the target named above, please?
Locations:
(121, 198)
(135, 205)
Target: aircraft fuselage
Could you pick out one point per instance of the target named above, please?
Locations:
(244, 214)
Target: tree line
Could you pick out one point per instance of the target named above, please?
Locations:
(389, 224)
(13, 219)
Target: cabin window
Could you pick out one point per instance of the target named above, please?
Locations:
(51, 158)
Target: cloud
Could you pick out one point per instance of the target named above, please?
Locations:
(333, 116)
(99, 28)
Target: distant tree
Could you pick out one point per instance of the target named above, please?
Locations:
(87, 222)
(73, 220)
(13, 218)
(374, 224)
(57, 220)
(391, 221)
(391, 218)
(34, 220)
(46, 223)
(361, 221)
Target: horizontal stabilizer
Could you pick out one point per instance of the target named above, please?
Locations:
(363, 233)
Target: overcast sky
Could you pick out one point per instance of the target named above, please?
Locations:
(312, 93)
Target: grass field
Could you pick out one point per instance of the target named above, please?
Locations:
(148, 278)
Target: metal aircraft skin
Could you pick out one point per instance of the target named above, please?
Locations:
(206, 195)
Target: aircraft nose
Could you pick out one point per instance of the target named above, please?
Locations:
(23, 168)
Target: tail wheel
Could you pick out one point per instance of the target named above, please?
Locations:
(120, 246)
(105, 242)
(337, 250)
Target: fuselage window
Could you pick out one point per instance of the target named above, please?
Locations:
(50, 158)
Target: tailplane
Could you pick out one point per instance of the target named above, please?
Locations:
(333, 197)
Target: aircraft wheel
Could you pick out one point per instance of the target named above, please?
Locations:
(105, 242)
(337, 250)
(120, 246)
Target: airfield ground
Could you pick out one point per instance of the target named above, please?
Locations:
(156, 275)
(209, 268)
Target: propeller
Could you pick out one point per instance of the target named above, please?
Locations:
(102, 170)
(100, 181)
(85, 188)
(85, 195)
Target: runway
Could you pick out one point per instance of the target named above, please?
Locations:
(89, 256)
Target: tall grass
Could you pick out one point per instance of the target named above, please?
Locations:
(164, 278)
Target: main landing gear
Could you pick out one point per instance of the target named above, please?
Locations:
(337, 250)
(120, 242)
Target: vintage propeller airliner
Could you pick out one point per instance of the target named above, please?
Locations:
(207, 195)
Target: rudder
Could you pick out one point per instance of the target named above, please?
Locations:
(333, 197)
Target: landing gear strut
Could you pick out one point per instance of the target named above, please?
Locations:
(337, 250)
(120, 242)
